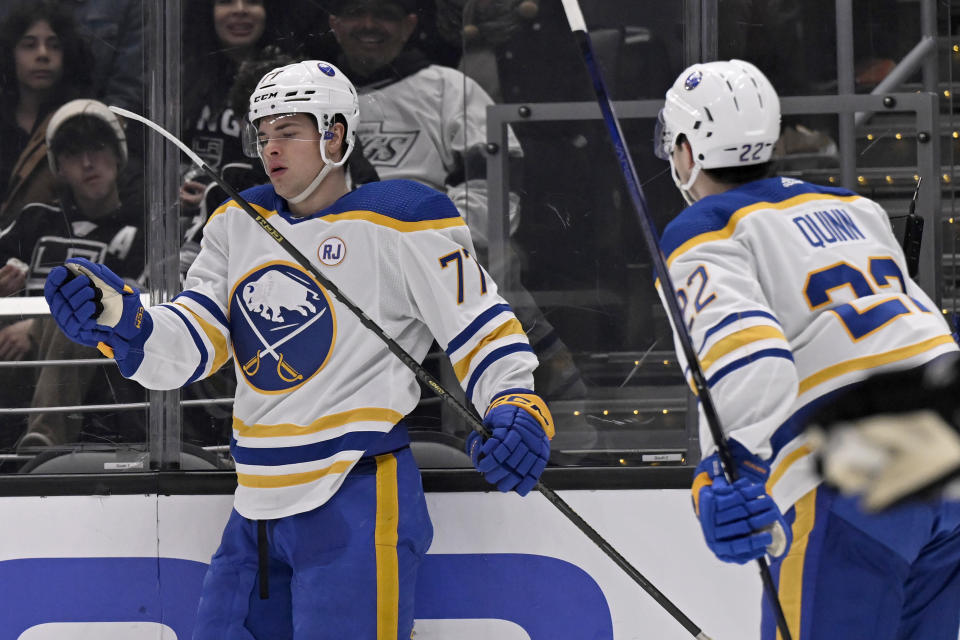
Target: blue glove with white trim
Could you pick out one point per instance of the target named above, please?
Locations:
(93, 306)
(515, 454)
(740, 521)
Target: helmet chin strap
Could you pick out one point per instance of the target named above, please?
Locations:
(303, 195)
(684, 187)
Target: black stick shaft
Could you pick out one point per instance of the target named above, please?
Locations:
(424, 376)
(578, 27)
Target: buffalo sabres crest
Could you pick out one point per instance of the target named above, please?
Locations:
(283, 327)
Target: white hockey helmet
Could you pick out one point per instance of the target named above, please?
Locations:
(313, 87)
(85, 107)
(727, 110)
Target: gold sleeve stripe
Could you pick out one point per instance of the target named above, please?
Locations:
(291, 479)
(393, 223)
(266, 213)
(868, 362)
(385, 540)
(221, 353)
(508, 328)
(785, 464)
(740, 214)
(367, 414)
(702, 480)
(739, 339)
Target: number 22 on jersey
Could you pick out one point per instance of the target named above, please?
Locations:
(860, 323)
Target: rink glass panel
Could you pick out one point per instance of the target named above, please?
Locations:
(576, 266)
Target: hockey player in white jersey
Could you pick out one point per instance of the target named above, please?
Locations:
(793, 292)
(329, 505)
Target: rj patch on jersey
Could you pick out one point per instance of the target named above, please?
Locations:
(283, 327)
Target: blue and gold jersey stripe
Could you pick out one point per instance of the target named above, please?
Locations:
(220, 351)
(197, 341)
(490, 359)
(509, 328)
(207, 304)
(738, 340)
(393, 223)
(871, 361)
(735, 317)
(366, 414)
(292, 479)
(464, 336)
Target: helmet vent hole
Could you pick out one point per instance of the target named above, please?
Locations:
(709, 116)
(700, 155)
(309, 92)
(289, 93)
(736, 105)
(696, 125)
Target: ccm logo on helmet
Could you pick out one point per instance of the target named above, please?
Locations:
(265, 96)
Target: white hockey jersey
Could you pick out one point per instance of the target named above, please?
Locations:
(416, 127)
(791, 291)
(316, 389)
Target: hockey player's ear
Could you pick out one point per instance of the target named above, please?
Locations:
(335, 145)
(683, 156)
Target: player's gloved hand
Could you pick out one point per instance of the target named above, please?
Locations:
(740, 521)
(74, 304)
(893, 437)
(117, 323)
(515, 454)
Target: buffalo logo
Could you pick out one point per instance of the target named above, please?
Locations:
(693, 80)
(385, 148)
(326, 69)
(332, 251)
(282, 326)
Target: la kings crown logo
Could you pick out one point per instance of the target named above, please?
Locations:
(385, 148)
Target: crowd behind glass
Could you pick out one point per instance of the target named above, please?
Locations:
(580, 282)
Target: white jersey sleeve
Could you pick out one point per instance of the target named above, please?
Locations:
(191, 334)
(454, 296)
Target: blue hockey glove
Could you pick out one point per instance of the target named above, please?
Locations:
(740, 522)
(515, 454)
(118, 324)
(74, 304)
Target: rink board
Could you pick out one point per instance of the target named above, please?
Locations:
(130, 567)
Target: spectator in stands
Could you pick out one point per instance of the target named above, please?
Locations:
(43, 63)
(87, 151)
(427, 122)
(219, 38)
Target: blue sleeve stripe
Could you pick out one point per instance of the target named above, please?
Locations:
(207, 304)
(733, 317)
(742, 362)
(519, 390)
(492, 357)
(276, 456)
(472, 328)
(197, 341)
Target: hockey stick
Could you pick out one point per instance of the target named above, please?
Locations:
(579, 28)
(423, 375)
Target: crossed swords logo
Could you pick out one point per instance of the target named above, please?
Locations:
(285, 370)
